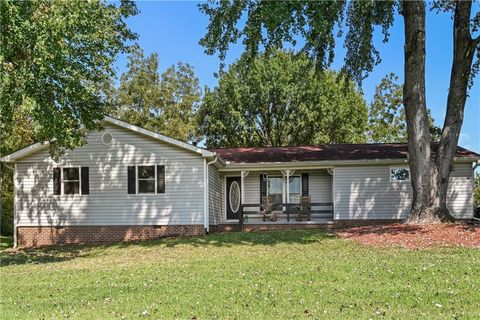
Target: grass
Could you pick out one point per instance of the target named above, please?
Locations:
(288, 274)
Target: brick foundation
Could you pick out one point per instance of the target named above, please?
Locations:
(45, 236)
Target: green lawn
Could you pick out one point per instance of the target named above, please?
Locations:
(294, 274)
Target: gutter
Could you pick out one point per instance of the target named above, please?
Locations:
(207, 194)
(259, 166)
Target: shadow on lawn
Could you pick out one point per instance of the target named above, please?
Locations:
(70, 252)
(264, 238)
(43, 255)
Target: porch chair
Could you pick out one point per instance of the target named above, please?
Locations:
(305, 209)
(267, 209)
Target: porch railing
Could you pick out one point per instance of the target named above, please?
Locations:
(287, 209)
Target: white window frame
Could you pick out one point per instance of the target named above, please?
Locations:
(137, 179)
(79, 180)
(396, 168)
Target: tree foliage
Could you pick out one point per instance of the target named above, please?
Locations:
(386, 118)
(21, 136)
(164, 103)
(279, 100)
(270, 24)
(56, 55)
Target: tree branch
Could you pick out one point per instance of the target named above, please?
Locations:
(476, 41)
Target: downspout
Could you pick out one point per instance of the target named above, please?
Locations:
(207, 195)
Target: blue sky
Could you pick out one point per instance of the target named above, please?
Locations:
(173, 29)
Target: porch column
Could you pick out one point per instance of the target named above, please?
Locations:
(288, 185)
(287, 173)
(243, 175)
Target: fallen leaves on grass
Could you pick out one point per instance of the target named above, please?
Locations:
(415, 236)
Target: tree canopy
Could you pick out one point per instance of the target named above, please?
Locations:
(54, 57)
(270, 24)
(279, 100)
(386, 116)
(164, 103)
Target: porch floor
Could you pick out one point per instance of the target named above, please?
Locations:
(281, 220)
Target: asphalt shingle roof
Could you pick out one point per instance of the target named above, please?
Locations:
(327, 152)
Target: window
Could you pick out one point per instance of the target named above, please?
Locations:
(294, 186)
(71, 180)
(275, 189)
(146, 179)
(399, 174)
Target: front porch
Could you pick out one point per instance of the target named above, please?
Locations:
(287, 213)
(298, 196)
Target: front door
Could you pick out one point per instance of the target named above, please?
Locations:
(233, 197)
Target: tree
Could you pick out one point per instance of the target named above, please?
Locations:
(272, 24)
(137, 98)
(56, 55)
(279, 100)
(386, 118)
(20, 137)
(163, 103)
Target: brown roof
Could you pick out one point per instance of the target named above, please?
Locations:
(327, 152)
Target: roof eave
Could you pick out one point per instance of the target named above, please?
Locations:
(11, 158)
(325, 163)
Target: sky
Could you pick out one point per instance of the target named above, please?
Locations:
(173, 30)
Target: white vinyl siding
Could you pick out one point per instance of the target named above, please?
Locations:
(108, 202)
(366, 192)
(215, 196)
(320, 186)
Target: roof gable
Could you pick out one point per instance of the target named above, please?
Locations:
(37, 147)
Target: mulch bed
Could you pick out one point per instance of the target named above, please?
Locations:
(415, 236)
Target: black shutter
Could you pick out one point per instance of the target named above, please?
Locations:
(57, 184)
(131, 180)
(85, 180)
(263, 186)
(304, 184)
(160, 179)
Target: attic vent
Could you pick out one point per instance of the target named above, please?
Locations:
(107, 138)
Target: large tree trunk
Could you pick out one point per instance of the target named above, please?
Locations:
(463, 52)
(416, 111)
(433, 173)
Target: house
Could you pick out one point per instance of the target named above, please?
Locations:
(128, 183)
